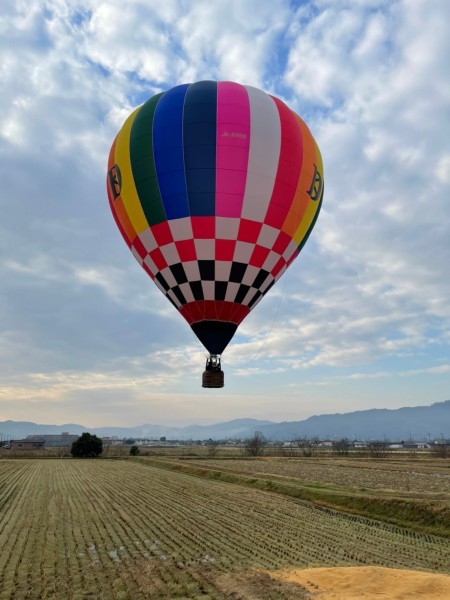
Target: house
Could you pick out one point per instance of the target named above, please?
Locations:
(27, 444)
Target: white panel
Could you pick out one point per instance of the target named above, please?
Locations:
(170, 253)
(168, 276)
(223, 269)
(187, 292)
(271, 261)
(181, 229)
(208, 290)
(250, 274)
(265, 144)
(290, 250)
(266, 284)
(243, 252)
(151, 265)
(232, 290)
(248, 296)
(227, 228)
(267, 236)
(148, 240)
(192, 271)
(205, 249)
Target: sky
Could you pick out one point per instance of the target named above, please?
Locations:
(360, 320)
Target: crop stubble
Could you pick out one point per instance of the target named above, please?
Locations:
(85, 529)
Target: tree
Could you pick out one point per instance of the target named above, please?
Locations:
(341, 446)
(308, 447)
(134, 450)
(87, 445)
(254, 446)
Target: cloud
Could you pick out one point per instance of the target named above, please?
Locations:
(370, 287)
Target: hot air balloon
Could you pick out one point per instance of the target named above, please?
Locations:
(215, 187)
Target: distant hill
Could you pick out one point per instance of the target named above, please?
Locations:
(418, 423)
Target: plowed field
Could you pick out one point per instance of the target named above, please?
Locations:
(105, 529)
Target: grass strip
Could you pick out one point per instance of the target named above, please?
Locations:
(418, 515)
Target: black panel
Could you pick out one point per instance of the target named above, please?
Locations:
(255, 298)
(179, 273)
(270, 285)
(237, 271)
(242, 292)
(260, 278)
(179, 294)
(162, 281)
(220, 290)
(206, 270)
(214, 335)
(197, 290)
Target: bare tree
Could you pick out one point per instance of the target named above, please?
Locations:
(212, 448)
(378, 449)
(440, 450)
(341, 446)
(254, 446)
(307, 446)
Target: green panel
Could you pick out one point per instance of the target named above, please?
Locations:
(143, 163)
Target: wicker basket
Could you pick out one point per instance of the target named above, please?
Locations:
(213, 379)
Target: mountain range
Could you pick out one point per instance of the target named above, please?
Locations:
(418, 423)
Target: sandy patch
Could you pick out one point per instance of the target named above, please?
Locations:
(368, 583)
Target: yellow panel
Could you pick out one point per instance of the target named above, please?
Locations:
(128, 191)
(312, 206)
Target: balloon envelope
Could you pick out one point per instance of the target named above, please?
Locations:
(215, 187)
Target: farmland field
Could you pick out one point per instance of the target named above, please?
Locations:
(116, 529)
(402, 475)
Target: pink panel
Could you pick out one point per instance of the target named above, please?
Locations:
(233, 142)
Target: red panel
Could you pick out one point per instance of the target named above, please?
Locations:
(239, 313)
(198, 310)
(292, 257)
(226, 309)
(210, 310)
(258, 256)
(186, 250)
(158, 259)
(139, 247)
(204, 228)
(162, 233)
(225, 249)
(186, 313)
(249, 231)
(289, 167)
(281, 243)
(277, 268)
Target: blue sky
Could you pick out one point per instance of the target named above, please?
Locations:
(360, 320)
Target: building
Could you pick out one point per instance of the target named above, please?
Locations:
(62, 440)
(27, 444)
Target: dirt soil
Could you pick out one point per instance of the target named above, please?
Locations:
(368, 583)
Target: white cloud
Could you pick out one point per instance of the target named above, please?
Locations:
(371, 79)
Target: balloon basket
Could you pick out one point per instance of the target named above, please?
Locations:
(212, 379)
(213, 376)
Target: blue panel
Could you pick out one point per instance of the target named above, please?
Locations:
(168, 152)
(199, 138)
